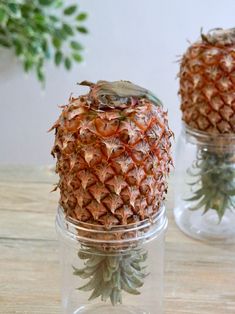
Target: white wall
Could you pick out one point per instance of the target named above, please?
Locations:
(137, 40)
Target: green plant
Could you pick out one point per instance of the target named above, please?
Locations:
(213, 186)
(109, 275)
(42, 30)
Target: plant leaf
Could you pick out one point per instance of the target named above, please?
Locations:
(40, 75)
(18, 47)
(77, 57)
(58, 3)
(3, 15)
(70, 10)
(13, 8)
(56, 42)
(68, 29)
(46, 2)
(76, 45)
(58, 57)
(67, 63)
(60, 34)
(82, 29)
(54, 18)
(28, 64)
(82, 16)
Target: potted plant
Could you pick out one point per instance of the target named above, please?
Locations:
(39, 31)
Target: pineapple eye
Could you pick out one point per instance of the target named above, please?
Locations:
(106, 128)
(86, 136)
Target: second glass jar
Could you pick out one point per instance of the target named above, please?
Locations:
(205, 185)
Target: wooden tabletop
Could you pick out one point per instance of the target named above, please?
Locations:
(199, 279)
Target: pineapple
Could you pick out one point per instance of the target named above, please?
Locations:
(207, 90)
(113, 156)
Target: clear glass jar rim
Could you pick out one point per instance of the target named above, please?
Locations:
(210, 139)
(145, 229)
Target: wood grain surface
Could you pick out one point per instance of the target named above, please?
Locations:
(199, 277)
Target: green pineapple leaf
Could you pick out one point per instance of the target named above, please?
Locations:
(215, 177)
(111, 275)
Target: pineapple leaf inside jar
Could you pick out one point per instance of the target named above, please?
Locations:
(109, 275)
(213, 184)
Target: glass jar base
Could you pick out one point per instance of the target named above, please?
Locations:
(107, 309)
(206, 227)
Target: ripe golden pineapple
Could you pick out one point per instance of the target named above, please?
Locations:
(113, 156)
(207, 90)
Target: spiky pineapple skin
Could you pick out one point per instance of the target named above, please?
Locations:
(207, 85)
(207, 92)
(112, 163)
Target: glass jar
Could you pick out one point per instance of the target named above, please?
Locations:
(112, 270)
(205, 185)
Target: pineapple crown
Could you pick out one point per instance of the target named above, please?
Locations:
(117, 92)
(219, 36)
